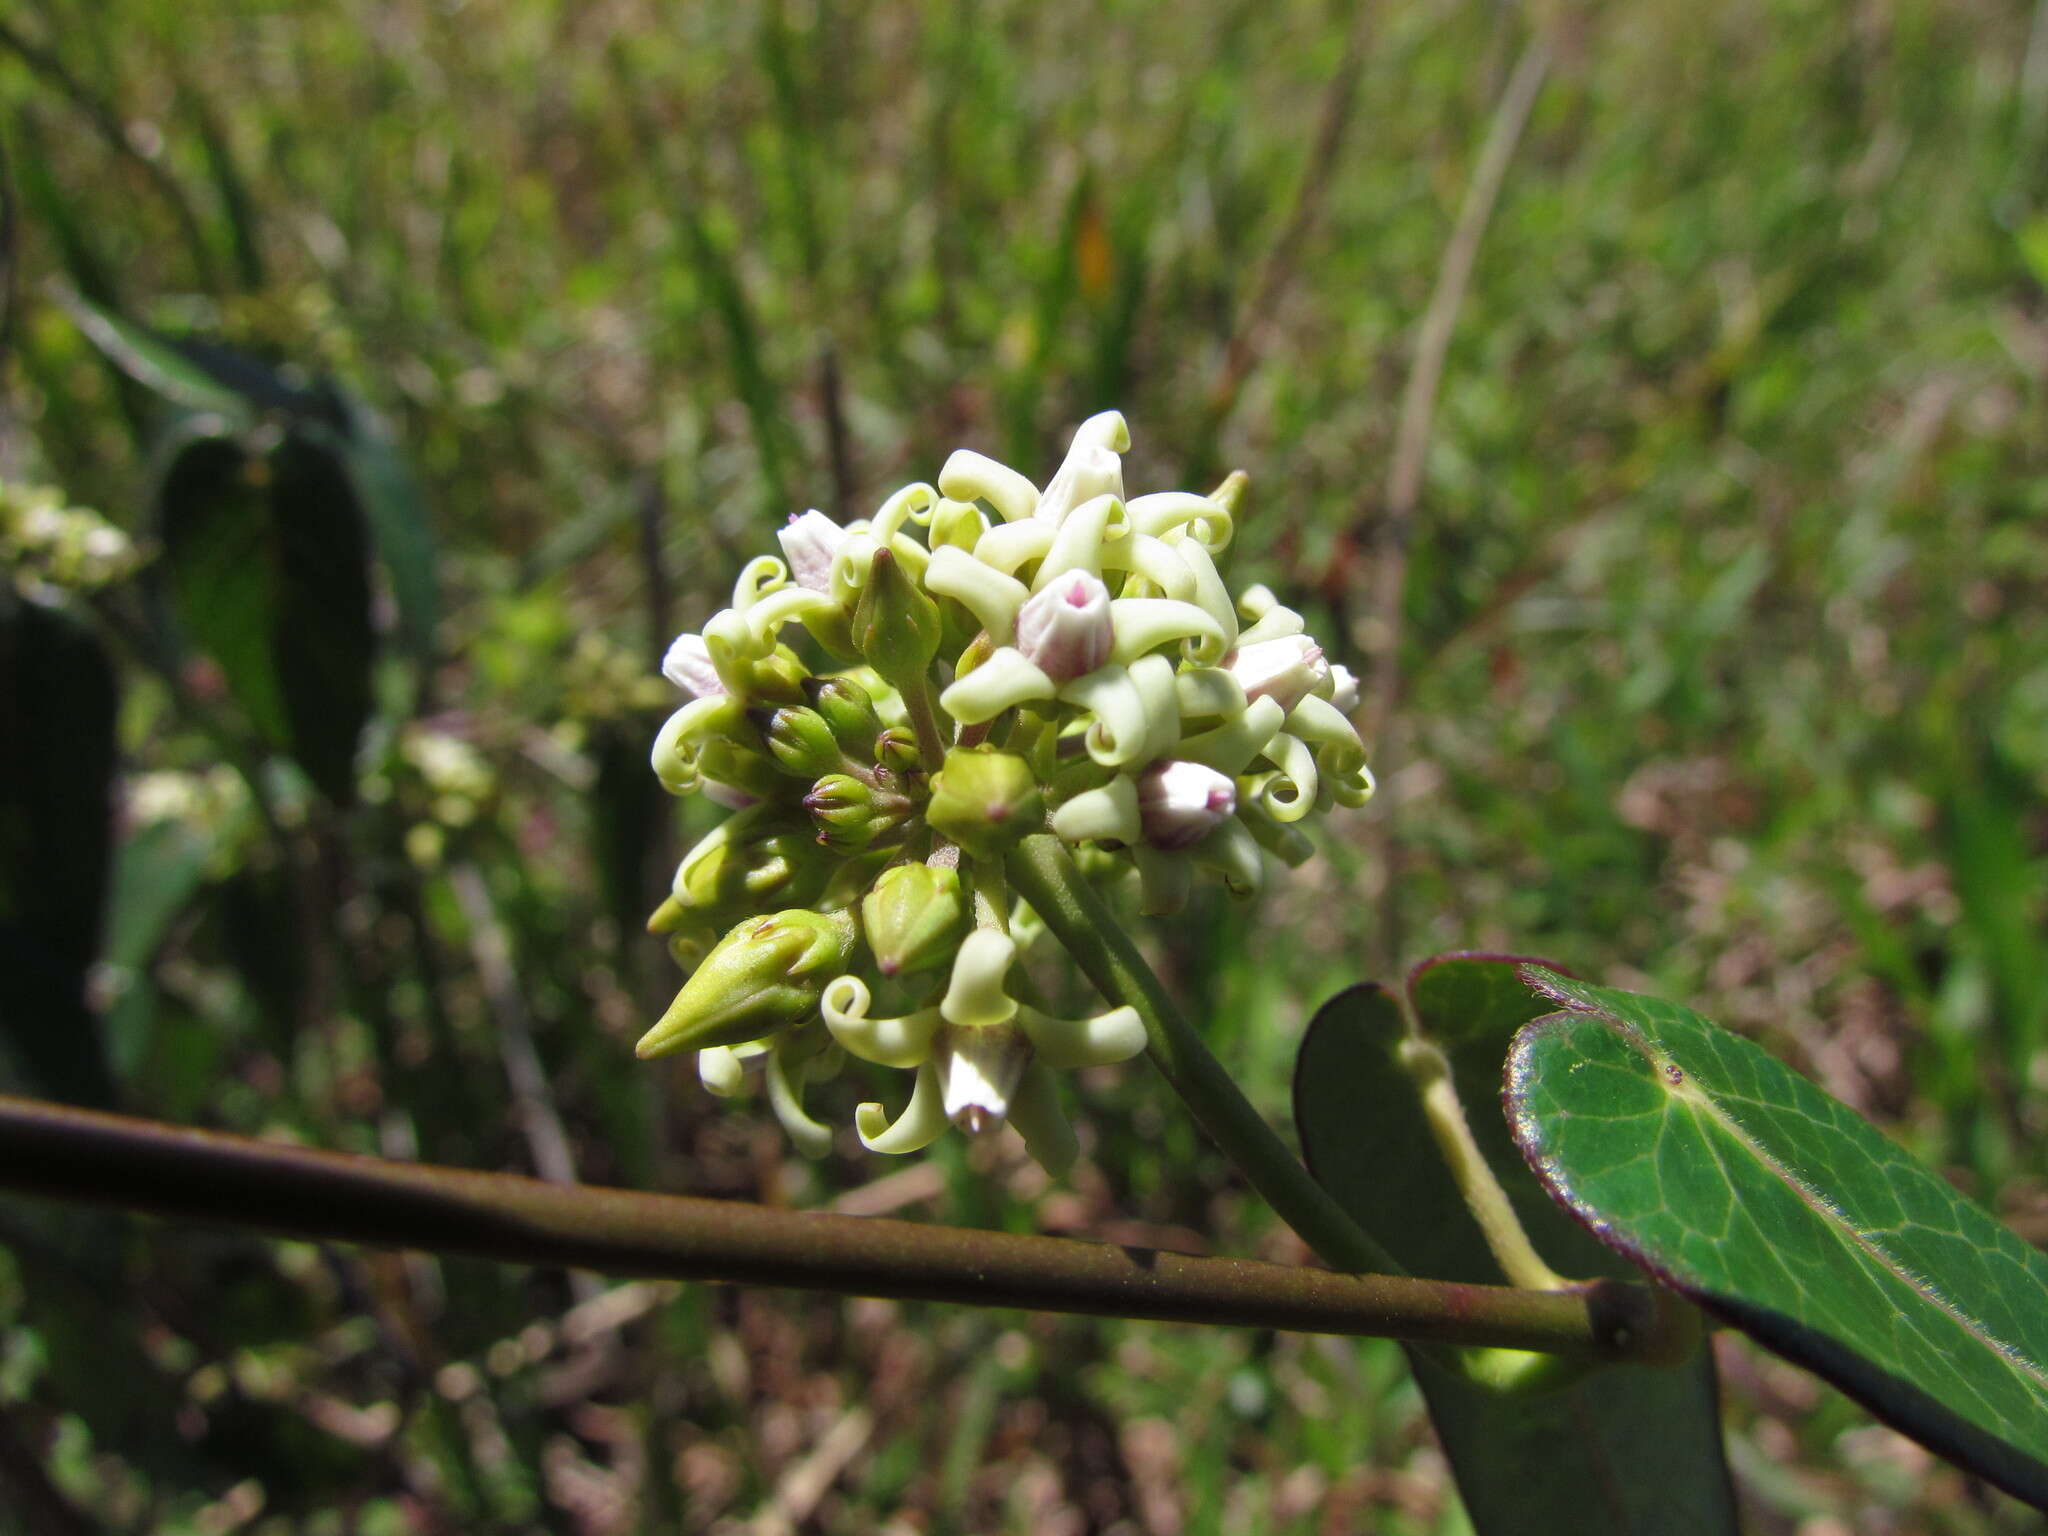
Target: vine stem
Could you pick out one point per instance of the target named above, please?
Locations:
(72, 1154)
(1043, 873)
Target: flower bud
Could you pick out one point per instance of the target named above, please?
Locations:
(738, 766)
(1285, 670)
(810, 544)
(985, 801)
(914, 917)
(1065, 630)
(1180, 802)
(896, 626)
(1343, 689)
(847, 710)
(800, 741)
(688, 666)
(849, 813)
(763, 976)
(896, 750)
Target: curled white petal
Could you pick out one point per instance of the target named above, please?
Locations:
(785, 1097)
(991, 596)
(1322, 722)
(1146, 623)
(921, 1123)
(1291, 792)
(1352, 787)
(720, 1071)
(1078, 544)
(1275, 623)
(1209, 591)
(974, 994)
(1153, 676)
(904, 1042)
(1231, 746)
(1035, 1112)
(1105, 429)
(1109, 812)
(758, 577)
(766, 617)
(1165, 512)
(1155, 560)
(1066, 1044)
(1002, 682)
(674, 756)
(1012, 545)
(969, 475)
(905, 505)
(850, 569)
(1206, 692)
(959, 524)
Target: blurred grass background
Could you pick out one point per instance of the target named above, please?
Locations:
(1718, 668)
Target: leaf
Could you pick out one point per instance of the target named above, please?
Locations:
(57, 700)
(1577, 1461)
(268, 558)
(152, 361)
(397, 514)
(1782, 1211)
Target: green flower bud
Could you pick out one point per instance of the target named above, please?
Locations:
(763, 977)
(985, 801)
(896, 626)
(915, 917)
(847, 711)
(851, 813)
(800, 741)
(896, 749)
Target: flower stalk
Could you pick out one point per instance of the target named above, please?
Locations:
(140, 1165)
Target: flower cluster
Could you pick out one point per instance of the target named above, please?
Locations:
(997, 660)
(52, 547)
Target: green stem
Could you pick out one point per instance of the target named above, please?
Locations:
(924, 720)
(1042, 872)
(119, 1160)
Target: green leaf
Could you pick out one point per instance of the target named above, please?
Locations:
(1780, 1210)
(397, 514)
(152, 361)
(1575, 1461)
(268, 558)
(57, 701)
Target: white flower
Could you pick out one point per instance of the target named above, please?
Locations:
(810, 544)
(1180, 803)
(1286, 670)
(1065, 630)
(688, 666)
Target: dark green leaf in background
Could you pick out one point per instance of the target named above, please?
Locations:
(1578, 1462)
(269, 566)
(57, 702)
(1781, 1210)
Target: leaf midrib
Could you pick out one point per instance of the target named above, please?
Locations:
(1706, 1103)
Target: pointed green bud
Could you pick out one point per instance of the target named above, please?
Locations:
(914, 918)
(896, 626)
(847, 711)
(800, 741)
(985, 801)
(896, 749)
(763, 977)
(850, 813)
(1230, 494)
